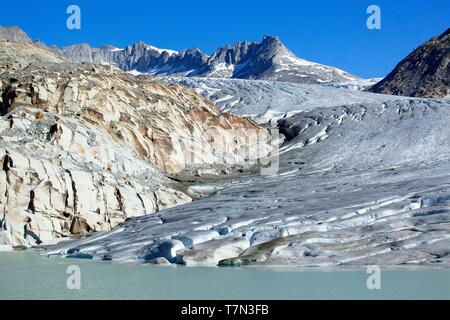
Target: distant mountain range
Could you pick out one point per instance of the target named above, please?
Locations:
(265, 60)
(423, 73)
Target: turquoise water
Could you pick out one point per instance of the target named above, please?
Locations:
(29, 275)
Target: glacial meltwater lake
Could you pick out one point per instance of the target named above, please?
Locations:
(30, 275)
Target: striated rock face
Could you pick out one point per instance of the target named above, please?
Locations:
(166, 125)
(61, 176)
(84, 147)
(423, 73)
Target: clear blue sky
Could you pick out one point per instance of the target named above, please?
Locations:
(329, 32)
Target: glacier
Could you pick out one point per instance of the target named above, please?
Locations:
(363, 179)
(268, 101)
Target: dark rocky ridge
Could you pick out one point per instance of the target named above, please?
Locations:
(423, 73)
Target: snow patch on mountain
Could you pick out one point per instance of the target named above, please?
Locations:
(161, 51)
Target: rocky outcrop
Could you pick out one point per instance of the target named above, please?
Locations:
(423, 73)
(166, 125)
(62, 176)
(84, 147)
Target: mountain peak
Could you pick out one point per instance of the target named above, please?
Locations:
(272, 45)
(271, 39)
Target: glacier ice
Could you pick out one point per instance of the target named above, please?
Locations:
(364, 179)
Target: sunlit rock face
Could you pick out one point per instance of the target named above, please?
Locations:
(83, 147)
(63, 176)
